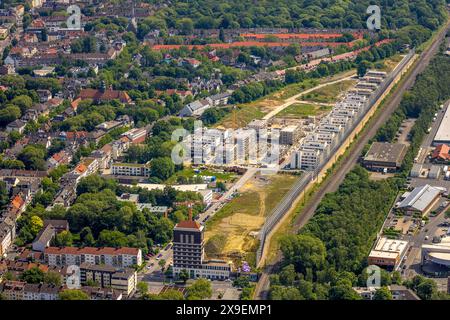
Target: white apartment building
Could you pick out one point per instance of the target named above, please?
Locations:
(117, 257)
(327, 137)
(131, 169)
(306, 159)
(245, 141)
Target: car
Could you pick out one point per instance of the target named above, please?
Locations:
(427, 237)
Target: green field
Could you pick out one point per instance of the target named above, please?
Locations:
(329, 93)
(226, 177)
(302, 110)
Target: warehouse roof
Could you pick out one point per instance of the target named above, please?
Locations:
(420, 198)
(443, 134)
(386, 152)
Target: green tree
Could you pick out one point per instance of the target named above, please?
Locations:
(142, 288)
(183, 275)
(64, 239)
(382, 294)
(362, 68)
(33, 275)
(304, 252)
(162, 168)
(199, 290)
(53, 278)
(73, 294)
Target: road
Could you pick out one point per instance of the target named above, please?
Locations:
(332, 184)
(153, 272)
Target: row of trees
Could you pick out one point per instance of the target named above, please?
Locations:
(325, 259)
(98, 218)
(207, 14)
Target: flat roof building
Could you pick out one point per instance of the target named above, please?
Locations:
(388, 253)
(438, 253)
(443, 133)
(383, 155)
(289, 135)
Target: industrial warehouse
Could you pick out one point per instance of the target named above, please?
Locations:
(443, 133)
(385, 156)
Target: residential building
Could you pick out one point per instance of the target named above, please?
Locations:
(109, 277)
(41, 291)
(441, 154)
(196, 108)
(106, 95)
(44, 238)
(289, 135)
(136, 135)
(398, 292)
(102, 293)
(7, 235)
(188, 253)
(131, 169)
(12, 290)
(16, 125)
(117, 257)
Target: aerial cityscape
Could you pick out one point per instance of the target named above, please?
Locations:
(224, 150)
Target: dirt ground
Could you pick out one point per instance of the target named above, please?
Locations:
(244, 216)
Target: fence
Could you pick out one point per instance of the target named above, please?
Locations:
(285, 204)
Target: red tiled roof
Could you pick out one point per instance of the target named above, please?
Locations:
(297, 35)
(17, 202)
(92, 250)
(81, 168)
(107, 95)
(188, 224)
(442, 151)
(76, 134)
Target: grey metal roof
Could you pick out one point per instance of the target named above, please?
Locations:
(420, 198)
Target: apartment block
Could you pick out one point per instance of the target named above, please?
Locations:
(117, 257)
(130, 169)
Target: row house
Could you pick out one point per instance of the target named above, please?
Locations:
(60, 158)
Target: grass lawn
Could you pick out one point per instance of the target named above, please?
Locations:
(390, 63)
(189, 173)
(245, 113)
(301, 110)
(329, 93)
